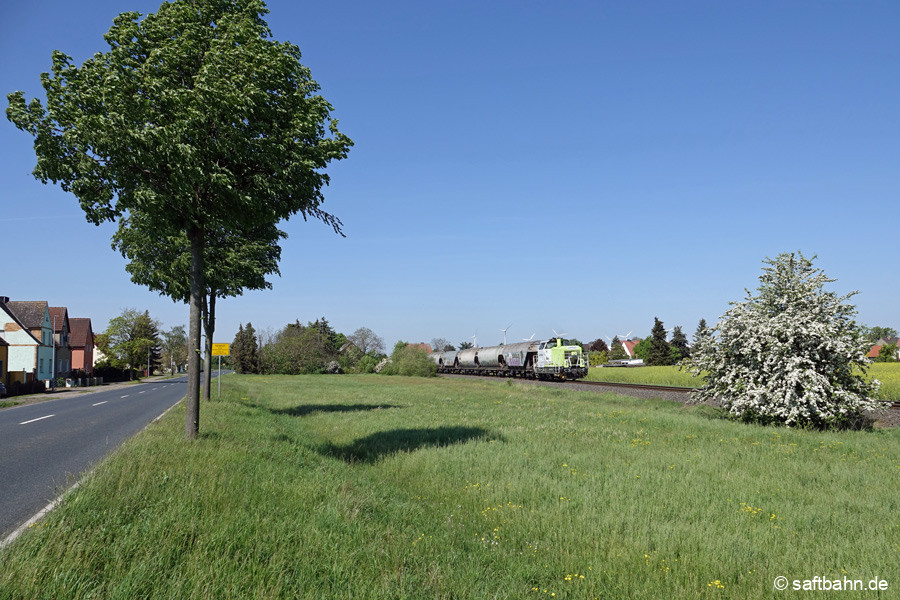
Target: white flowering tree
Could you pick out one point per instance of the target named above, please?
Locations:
(791, 354)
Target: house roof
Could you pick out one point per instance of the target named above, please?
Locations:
(11, 317)
(30, 313)
(58, 315)
(80, 331)
(629, 346)
(425, 347)
(873, 353)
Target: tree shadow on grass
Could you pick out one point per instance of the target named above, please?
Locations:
(304, 410)
(373, 448)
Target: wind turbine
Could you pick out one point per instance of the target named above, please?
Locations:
(475, 339)
(558, 335)
(528, 339)
(504, 332)
(624, 337)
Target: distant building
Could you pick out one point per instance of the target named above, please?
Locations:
(421, 346)
(81, 340)
(59, 319)
(26, 329)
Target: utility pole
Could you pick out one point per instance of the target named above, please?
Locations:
(53, 354)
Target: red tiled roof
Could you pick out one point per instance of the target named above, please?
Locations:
(873, 353)
(58, 314)
(81, 329)
(425, 347)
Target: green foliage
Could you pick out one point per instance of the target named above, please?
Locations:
(302, 349)
(244, 350)
(679, 342)
(194, 128)
(129, 339)
(465, 345)
(597, 358)
(659, 353)
(385, 488)
(616, 351)
(642, 349)
(409, 361)
(174, 348)
(887, 353)
(873, 334)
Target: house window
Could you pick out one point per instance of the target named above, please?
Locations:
(41, 369)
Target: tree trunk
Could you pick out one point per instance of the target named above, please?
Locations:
(198, 285)
(210, 326)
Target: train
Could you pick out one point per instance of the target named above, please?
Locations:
(538, 359)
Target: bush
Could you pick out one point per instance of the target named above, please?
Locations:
(409, 361)
(597, 358)
(791, 354)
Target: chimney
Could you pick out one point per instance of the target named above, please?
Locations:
(4, 299)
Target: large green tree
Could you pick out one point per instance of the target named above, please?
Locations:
(195, 121)
(131, 340)
(236, 260)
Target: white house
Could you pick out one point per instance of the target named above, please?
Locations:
(26, 328)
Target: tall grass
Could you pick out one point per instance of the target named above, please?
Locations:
(887, 373)
(673, 376)
(374, 487)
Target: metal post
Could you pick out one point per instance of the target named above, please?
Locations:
(53, 360)
(220, 377)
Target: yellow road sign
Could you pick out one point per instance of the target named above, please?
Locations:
(220, 349)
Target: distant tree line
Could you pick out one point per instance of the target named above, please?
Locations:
(306, 349)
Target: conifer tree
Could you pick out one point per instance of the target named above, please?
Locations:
(660, 353)
(616, 351)
(679, 342)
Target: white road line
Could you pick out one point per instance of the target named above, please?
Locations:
(99, 403)
(125, 396)
(142, 391)
(38, 419)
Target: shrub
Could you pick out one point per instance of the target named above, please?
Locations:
(409, 361)
(790, 354)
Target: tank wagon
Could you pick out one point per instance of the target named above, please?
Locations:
(539, 359)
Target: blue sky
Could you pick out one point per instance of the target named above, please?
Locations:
(577, 166)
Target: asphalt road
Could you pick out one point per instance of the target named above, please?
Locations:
(46, 447)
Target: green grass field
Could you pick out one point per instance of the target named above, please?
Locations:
(887, 373)
(377, 487)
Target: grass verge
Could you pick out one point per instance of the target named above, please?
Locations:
(376, 487)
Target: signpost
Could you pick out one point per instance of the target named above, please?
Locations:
(220, 350)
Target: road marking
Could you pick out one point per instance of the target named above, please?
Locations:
(38, 419)
(142, 391)
(125, 396)
(99, 403)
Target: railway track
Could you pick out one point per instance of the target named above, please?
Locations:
(646, 389)
(637, 386)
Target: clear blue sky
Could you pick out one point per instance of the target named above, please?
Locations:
(581, 166)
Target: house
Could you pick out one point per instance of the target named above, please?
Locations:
(4, 362)
(421, 346)
(629, 345)
(875, 352)
(81, 341)
(59, 319)
(29, 354)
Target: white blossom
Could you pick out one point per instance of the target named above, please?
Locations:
(792, 353)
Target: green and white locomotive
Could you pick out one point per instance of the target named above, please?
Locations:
(539, 359)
